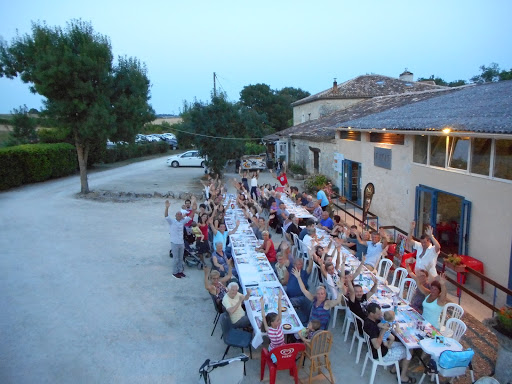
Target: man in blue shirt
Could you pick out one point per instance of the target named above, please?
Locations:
(300, 302)
(322, 199)
(310, 223)
(326, 222)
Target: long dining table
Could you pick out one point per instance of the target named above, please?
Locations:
(256, 273)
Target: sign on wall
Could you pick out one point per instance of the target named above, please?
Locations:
(382, 157)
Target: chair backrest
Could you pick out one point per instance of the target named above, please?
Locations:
(358, 323)
(295, 247)
(457, 312)
(455, 359)
(384, 267)
(457, 326)
(225, 323)
(218, 306)
(286, 355)
(410, 290)
(314, 279)
(321, 343)
(399, 275)
(370, 350)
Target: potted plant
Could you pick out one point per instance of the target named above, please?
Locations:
(501, 326)
(453, 261)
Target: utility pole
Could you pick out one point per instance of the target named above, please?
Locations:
(214, 87)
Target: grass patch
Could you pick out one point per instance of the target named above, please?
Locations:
(4, 135)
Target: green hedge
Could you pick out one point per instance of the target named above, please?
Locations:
(129, 151)
(30, 163)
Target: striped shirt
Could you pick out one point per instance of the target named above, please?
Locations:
(321, 314)
(276, 336)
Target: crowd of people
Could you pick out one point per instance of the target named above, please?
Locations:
(204, 227)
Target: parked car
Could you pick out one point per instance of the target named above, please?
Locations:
(153, 138)
(141, 139)
(173, 143)
(168, 135)
(189, 159)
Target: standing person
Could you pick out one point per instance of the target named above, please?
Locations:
(177, 243)
(375, 247)
(237, 165)
(427, 250)
(254, 185)
(281, 177)
(245, 182)
(322, 199)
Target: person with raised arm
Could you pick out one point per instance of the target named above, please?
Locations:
(427, 250)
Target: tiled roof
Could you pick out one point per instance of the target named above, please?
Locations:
(324, 129)
(480, 108)
(367, 86)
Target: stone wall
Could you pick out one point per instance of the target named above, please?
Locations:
(320, 108)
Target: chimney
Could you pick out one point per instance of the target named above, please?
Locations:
(335, 86)
(406, 76)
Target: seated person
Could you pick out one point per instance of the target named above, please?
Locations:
(388, 318)
(271, 323)
(220, 261)
(232, 301)
(307, 333)
(375, 248)
(282, 269)
(301, 304)
(214, 284)
(326, 222)
(396, 351)
(310, 223)
(268, 248)
(357, 300)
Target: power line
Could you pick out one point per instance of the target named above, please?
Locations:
(218, 137)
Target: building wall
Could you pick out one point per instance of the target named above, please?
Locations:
(394, 199)
(320, 108)
(302, 155)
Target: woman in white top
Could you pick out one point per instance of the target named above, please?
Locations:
(254, 185)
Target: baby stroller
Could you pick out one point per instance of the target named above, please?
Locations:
(227, 371)
(190, 256)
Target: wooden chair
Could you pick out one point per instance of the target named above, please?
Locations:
(317, 351)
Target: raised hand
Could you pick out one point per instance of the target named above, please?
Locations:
(167, 204)
(413, 225)
(429, 231)
(295, 273)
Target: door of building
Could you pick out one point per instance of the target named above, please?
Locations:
(449, 214)
(351, 176)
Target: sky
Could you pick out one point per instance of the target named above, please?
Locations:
(301, 44)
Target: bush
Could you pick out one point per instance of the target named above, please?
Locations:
(35, 162)
(315, 182)
(54, 135)
(297, 169)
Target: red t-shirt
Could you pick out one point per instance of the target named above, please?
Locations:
(282, 179)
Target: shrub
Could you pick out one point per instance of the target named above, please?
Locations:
(35, 162)
(315, 182)
(297, 169)
(54, 135)
(252, 148)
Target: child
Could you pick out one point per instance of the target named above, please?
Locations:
(272, 323)
(389, 318)
(307, 334)
(196, 231)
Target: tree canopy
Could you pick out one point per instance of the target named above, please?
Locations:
(72, 68)
(273, 105)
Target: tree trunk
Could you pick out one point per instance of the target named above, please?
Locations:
(82, 151)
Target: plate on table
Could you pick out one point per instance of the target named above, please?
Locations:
(287, 326)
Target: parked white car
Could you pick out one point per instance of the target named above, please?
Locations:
(187, 159)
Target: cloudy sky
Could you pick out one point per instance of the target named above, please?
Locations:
(302, 44)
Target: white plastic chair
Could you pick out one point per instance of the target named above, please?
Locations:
(378, 361)
(410, 291)
(314, 279)
(456, 328)
(457, 371)
(399, 275)
(457, 312)
(343, 306)
(295, 245)
(303, 253)
(383, 270)
(360, 339)
(349, 320)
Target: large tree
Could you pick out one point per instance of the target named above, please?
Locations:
(72, 68)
